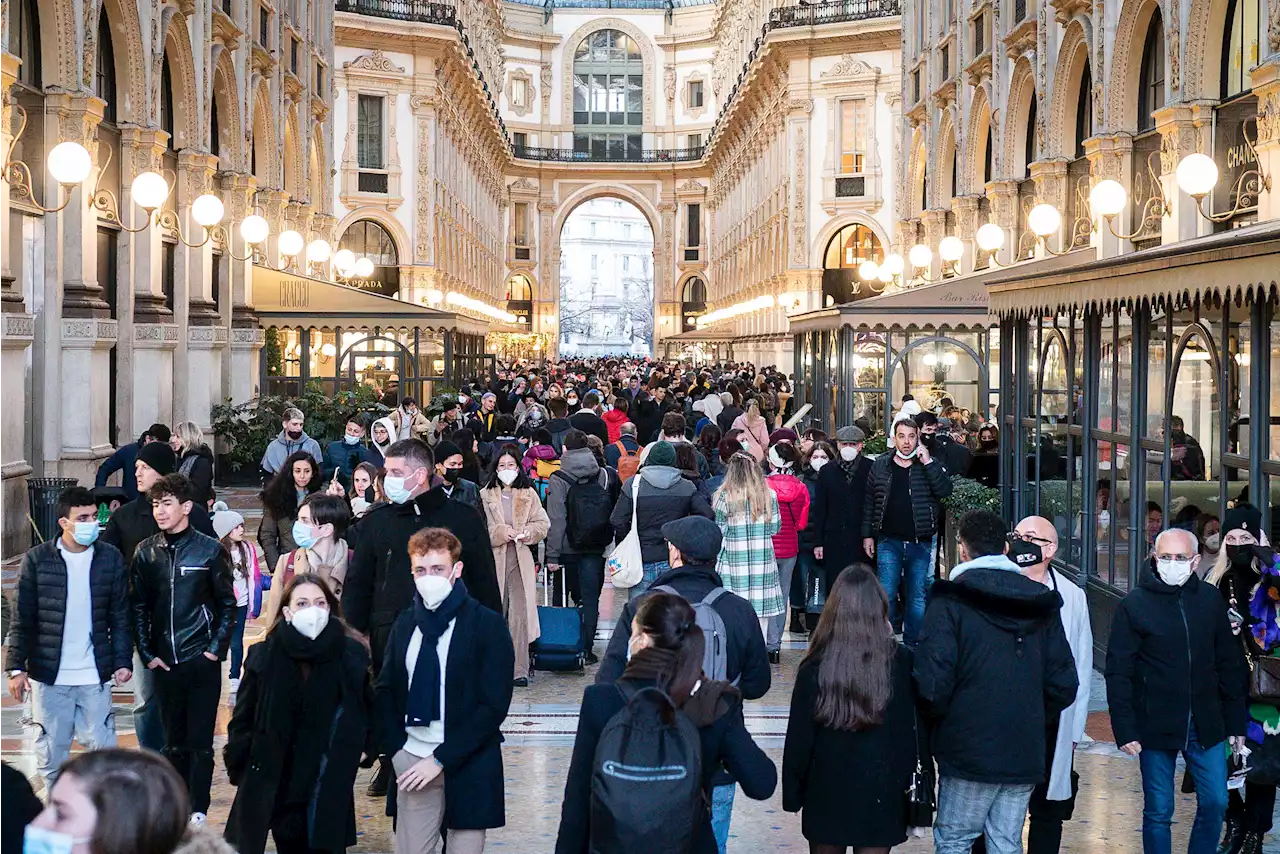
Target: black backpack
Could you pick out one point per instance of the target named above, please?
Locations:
(587, 510)
(646, 779)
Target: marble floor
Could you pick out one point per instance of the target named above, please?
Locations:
(539, 733)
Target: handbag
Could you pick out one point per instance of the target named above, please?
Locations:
(1264, 679)
(920, 794)
(626, 565)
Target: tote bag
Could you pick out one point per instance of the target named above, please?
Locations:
(626, 564)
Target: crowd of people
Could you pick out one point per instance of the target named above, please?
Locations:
(398, 573)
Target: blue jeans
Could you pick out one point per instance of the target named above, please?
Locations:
(722, 813)
(147, 723)
(967, 810)
(237, 640)
(896, 559)
(59, 712)
(1208, 768)
(651, 573)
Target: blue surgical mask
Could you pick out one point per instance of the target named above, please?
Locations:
(38, 840)
(303, 534)
(351, 440)
(86, 533)
(396, 490)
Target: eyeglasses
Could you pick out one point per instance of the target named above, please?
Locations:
(1030, 538)
(1173, 558)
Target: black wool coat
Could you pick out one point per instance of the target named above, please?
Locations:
(1171, 660)
(40, 613)
(255, 757)
(836, 515)
(477, 696)
(866, 808)
(379, 583)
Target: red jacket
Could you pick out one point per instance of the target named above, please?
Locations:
(613, 421)
(793, 505)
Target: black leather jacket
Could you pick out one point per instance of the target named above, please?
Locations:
(183, 600)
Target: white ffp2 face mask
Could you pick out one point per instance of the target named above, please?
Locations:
(1174, 572)
(817, 463)
(433, 589)
(848, 453)
(508, 476)
(310, 621)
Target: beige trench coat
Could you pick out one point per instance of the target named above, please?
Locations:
(527, 513)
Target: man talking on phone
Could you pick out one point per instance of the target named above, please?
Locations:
(900, 523)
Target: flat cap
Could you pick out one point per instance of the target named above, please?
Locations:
(850, 434)
(697, 538)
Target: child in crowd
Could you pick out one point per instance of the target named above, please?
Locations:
(246, 578)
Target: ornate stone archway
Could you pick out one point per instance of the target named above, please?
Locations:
(1073, 56)
(1122, 93)
(1022, 94)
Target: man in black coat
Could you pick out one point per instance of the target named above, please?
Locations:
(905, 488)
(70, 637)
(935, 435)
(693, 544)
(588, 420)
(379, 583)
(442, 694)
(992, 642)
(835, 519)
(1177, 681)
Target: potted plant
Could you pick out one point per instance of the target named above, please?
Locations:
(966, 495)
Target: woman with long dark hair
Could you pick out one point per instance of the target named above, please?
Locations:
(709, 447)
(666, 653)
(853, 708)
(281, 498)
(300, 729)
(516, 522)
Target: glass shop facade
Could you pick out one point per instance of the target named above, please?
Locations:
(1137, 393)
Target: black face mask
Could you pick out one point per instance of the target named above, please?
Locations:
(1240, 556)
(369, 494)
(988, 444)
(294, 435)
(930, 440)
(1025, 553)
(453, 475)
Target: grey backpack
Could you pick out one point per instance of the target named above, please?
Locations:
(715, 659)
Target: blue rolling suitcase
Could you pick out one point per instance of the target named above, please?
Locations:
(560, 644)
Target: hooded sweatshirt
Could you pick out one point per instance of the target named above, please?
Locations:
(574, 464)
(281, 447)
(613, 421)
(391, 437)
(665, 495)
(793, 505)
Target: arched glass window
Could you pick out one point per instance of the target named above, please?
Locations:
(987, 158)
(519, 288)
(1151, 78)
(693, 303)
(104, 72)
(608, 96)
(1084, 109)
(166, 102)
(1240, 40)
(1029, 139)
(841, 280)
(27, 30)
(368, 239)
(215, 128)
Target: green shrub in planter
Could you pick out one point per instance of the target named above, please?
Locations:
(967, 494)
(444, 397)
(245, 429)
(876, 445)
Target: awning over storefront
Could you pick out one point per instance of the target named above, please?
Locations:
(1229, 265)
(293, 300)
(958, 303)
(702, 336)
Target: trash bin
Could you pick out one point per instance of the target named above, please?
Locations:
(43, 494)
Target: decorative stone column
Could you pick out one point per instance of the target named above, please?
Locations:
(1111, 157)
(1003, 196)
(85, 368)
(935, 228)
(1184, 129)
(1266, 86)
(966, 211)
(77, 118)
(1051, 189)
(243, 380)
(664, 253)
(273, 203)
(423, 105)
(10, 299)
(196, 370)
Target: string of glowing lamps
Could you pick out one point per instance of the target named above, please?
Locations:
(479, 307)
(737, 310)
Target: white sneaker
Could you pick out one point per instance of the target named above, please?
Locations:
(197, 819)
(235, 685)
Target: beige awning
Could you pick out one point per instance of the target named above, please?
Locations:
(288, 299)
(952, 303)
(1229, 265)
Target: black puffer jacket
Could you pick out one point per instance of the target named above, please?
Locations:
(992, 642)
(197, 465)
(665, 495)
(1171, 659)
(183, 599)
(132, 523)
(929, 484)
(40, 613)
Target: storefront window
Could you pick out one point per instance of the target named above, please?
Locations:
(324, 352)
(993, 371)
(1157, 356)
(936, 369)
(1273, 430)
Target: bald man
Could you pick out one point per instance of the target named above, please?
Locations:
(1177, 682)
(1032, 547)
